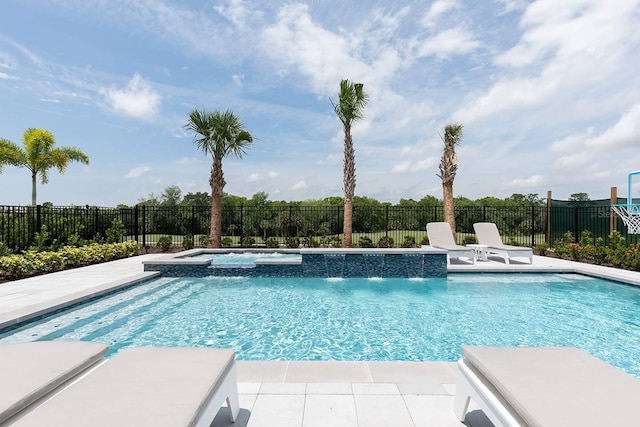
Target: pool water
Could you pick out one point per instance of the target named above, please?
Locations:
(361, 319)
(245, 258)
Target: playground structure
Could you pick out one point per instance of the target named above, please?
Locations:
(629, 212)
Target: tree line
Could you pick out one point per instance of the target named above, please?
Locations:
(173, 196)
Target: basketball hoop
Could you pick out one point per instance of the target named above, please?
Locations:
(629, 212)
(630, 215)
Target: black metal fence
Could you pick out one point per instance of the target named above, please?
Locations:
(312, 225)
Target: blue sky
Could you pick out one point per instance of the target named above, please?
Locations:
(548, 93)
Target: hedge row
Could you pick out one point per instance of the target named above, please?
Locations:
(616, 254)
(32, 263)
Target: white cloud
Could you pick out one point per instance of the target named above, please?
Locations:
(532, 181)
(401, 167)
(453, 41)
(426, 163)
(7, 77)
(272, 174)
(572, 162)
(512, 5)
(188, 161)
(625, 133)
(254, 177)
(237, 79)
(300, 185)
(137, 100)
(571, 143)
(137, 172)
(437, 9)
(238, 13)
(505, 95)
(32, 57)
(55, 101)
(565, 51)
(298, 41)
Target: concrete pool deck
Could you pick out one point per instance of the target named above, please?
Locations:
(300, 393)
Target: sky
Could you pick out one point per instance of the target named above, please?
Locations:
(548, 93)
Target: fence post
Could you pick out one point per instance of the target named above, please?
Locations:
(533, 226)
(547, 236)
(95, 219)
(241, 224)
(386, 221)
(576, 236)
(135, 222)
(613, 218)
(193, 220)
(144, 226)
(38, 219)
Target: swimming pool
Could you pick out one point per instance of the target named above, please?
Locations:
(361, 319)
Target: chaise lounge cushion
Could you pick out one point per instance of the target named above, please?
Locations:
(558, 386)
(139, 387)
(28, 371)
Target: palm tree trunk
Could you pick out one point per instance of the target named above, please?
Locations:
(217, 188)
(349, 187)
(449, 215)
(347, 224)
(33, 189)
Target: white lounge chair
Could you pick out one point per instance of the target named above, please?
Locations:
(441, 237)
(145, 387)
(487, 234)
(29, 371)
(550, 387)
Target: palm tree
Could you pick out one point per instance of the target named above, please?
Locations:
(38, 155)
(219, 133)
(448, 169)
(351, 102)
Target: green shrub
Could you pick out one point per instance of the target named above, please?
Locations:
(365, 242)
(115, 233)
(292, 242)
(16, 267)
(226, 241)
(600, 251)
(4, 249)
(425, 240)
(409, 242)
(541, 249)
(469, 240)
(203, 241)
(74, 240)
(385, 242)
(272, 242)
(187, 242)
(335, 241)
(164, 243)
(310, 242)
(40, 240)
(247, 241)
(13, 267)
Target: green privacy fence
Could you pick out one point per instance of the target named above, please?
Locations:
(593, 215)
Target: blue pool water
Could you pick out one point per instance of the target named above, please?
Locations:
(361, 319)
(245, 258)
